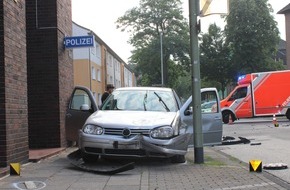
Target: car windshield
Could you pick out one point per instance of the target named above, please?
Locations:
(141, 100)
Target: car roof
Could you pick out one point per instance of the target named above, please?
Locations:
(145, 88)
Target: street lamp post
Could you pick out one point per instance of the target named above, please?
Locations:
(196, 96)
(161, 57)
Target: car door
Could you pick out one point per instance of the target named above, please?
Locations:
(242, 104)
(81, 106)
(212, 126)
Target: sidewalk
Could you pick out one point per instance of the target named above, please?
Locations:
(219, 172)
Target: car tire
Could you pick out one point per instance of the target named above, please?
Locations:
(178, 159)
(226, 117)
(288, 114)
(88, 158)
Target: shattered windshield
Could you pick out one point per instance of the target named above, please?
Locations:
(141, 100)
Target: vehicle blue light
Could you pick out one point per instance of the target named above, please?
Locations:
(241, 77)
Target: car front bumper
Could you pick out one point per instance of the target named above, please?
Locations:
(136, 146)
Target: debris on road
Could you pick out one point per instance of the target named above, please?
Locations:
(231, 140)
(100, 166)
(275, 166)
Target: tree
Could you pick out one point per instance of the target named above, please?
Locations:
(183, 86)
(253, 36)
(146, 23)
(215, 59)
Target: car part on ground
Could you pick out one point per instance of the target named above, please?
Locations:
(275, 166)
(257, 143)
(232, 140)
(100, 166)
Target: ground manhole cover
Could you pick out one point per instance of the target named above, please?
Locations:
(33, 185)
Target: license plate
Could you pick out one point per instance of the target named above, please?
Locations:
(133, 145)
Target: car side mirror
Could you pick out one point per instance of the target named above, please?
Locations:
(85, 107)
(188, 111)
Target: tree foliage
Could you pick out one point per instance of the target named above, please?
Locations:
(215, 59)
(145, 24)
(248, 43)
(253, 36)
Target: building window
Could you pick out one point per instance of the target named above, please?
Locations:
(99, 99)
(98, 74)
(110, 60)
(93, 50)
(93, 73)
(95, 95)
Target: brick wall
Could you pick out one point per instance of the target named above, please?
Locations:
(13, 83)
(50, 71)
(3, 148)
(65, 66)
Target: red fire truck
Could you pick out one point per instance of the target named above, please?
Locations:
(258, 94)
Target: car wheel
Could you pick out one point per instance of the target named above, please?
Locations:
(88, 158)
(226, 116)
(178, 159)
(288, 114)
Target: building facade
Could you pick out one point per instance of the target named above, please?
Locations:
(36, 76)
(97, 66)
(286, 12)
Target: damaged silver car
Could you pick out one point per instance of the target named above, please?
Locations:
(138, 122)
(132, 122)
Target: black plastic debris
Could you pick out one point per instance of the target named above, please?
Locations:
(256, 143)
(232, 140)
(100, 166)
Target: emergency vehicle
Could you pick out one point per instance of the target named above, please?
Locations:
(258, 94)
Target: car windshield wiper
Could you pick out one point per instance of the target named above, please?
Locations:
(145, 101)
(163, 103)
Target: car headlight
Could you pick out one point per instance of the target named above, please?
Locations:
(162, 132)
(93, 129)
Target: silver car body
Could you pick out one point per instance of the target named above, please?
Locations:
(128, 131)
(127, 125)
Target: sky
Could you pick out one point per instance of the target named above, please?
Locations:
(100, 17)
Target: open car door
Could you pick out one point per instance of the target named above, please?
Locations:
(81, 105)
(212, 126)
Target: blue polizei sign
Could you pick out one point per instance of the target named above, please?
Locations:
(79, 41)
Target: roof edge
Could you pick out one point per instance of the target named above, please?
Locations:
(284, 10)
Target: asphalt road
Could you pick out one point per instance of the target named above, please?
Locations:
(269, 144)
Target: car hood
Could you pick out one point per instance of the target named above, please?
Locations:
(131, 119)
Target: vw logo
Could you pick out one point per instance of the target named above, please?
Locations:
(126, 132)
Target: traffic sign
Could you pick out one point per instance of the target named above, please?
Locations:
(79, 41)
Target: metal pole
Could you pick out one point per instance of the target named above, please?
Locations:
(161, 57)
(196, 97)
(90, 64)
